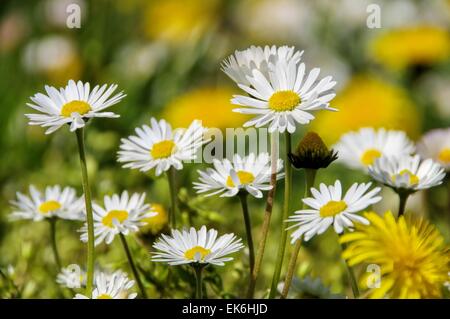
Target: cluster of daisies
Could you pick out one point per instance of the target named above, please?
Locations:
(282, 94)
(388, 157)
(393, 160)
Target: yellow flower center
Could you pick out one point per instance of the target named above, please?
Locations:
(444, 156)
(162, 149)
(369, 156)
(282, 101)
(244, 178)
(120, 215)
(76, 106)
(413, 179)
(104, 296)
(332, 208)
(156, 223)
(191, 253)
(49, 206)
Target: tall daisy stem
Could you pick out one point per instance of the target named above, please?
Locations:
(351, 276)
(53, 241)
(89, 215)
(291, 269)
(132, 265)
(267, 215)
(173, 197)
(248, 230)
(198, 269)
(310, 176)
(285, 215)
(402, 204)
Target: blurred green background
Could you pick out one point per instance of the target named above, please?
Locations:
(166, 56)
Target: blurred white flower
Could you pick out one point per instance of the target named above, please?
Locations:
(281, 20)
(55, 11)
(140, 61)
(435, 144)
(53, 202)
(74, 276)
(48, 54)
(360, 149)
(407, 173)
(71, 276)
(115, 286)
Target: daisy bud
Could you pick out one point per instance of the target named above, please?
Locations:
(312, 153)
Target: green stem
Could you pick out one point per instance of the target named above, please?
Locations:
(198, 269)
(267, 215)
(351, 276)
(291, 269)
(53, 240)
(173, 197)
(89, 215)
(283, 235)
(248, 231)
(402, 204)
(132, 265)
(310, 176)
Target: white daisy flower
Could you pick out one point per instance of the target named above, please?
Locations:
(121, 214)
(436, 145)
(328, 207)
(115, 286)
(202, 246)
(157, 146)
(251, 173)
(360, 149)
(407, 172)
(73, 105)
(53, 202)
(285, 97)
(241, 65)
(72, 276)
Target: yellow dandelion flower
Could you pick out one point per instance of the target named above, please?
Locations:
(210, 105)
(178, 21)
(155, 224)
(368, 101)
(409, 46)
(412, 255)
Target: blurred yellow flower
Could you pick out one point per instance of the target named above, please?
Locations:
(179, 21)
(412, 255)
(210, 105)
(155, 224)
(418, 45)
(368, 101)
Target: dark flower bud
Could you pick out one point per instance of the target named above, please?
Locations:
(312, 153)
